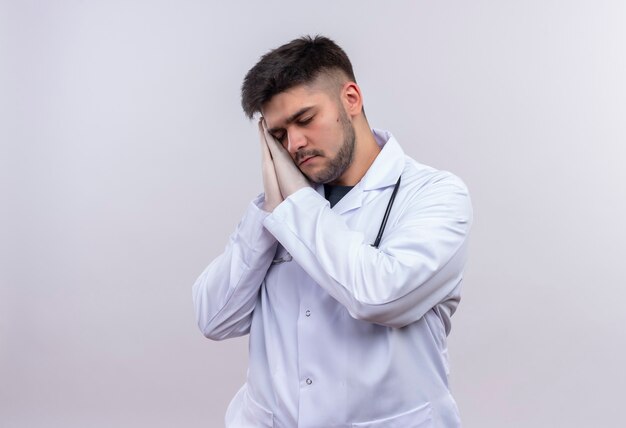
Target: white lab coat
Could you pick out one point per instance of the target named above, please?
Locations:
(343, 334)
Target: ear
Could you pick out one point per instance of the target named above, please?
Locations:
(352, 99)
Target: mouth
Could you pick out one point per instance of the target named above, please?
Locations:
(306, 159)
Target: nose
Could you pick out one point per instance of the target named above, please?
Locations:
(295, 141)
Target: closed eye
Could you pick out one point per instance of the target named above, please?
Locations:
(281, 135)
(306, 121)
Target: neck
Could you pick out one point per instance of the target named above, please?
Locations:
(365, 152)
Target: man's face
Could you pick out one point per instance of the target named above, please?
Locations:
(314, 128)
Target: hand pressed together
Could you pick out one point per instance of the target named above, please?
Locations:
(270, 182)
(281, 176)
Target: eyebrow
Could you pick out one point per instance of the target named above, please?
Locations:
(292, 118)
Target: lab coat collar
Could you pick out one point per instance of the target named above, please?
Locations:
(383, 172)
(387, 166)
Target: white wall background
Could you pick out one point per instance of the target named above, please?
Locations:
(126, 162)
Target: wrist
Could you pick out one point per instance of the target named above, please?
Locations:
(269, 205)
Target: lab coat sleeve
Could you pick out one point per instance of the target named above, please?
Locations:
(418, 265)
(225, 294)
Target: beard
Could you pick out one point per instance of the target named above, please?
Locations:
(338, 164)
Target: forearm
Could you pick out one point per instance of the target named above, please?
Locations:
(419, 263)
(225, 294)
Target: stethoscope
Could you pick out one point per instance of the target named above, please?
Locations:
(386, 216)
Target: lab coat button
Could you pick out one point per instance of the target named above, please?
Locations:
(309, 381)
(307, 313)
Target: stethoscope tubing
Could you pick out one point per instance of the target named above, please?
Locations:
(386, 216)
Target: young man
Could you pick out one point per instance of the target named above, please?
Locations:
(346, 270)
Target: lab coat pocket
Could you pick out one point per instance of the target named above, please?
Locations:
(245, 412)
(420, 417)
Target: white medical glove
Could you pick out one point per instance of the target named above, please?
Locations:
(290, 178)
(270, 182)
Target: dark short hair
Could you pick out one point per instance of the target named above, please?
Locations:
(298, 62)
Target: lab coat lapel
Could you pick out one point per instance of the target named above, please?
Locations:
(352, 200)
(387, 166)
(384, 172)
